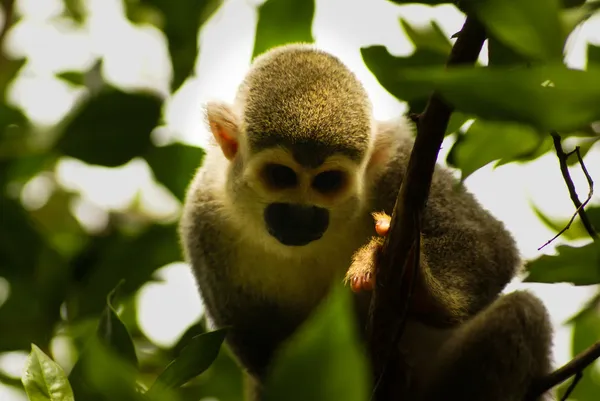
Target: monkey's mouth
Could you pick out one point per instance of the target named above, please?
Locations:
(296, 225)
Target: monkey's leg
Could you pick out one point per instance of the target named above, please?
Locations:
(496, 355)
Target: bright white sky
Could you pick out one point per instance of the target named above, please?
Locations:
(136, 57)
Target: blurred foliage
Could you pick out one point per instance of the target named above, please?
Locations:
(66, 279)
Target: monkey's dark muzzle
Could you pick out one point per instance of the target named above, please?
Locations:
(296, 225)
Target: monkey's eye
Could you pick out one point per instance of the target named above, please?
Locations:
(329, 181)
(279, 176)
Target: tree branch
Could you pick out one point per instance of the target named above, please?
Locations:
(399, 250)
(564, 168)
(571, 368)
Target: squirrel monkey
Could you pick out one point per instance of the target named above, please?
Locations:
(282, 207)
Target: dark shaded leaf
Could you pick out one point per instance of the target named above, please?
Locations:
(427, 36)
(577, 265)
(182, 20)
(111, 335)
(283, 21)
(572, 3)
(530, 27)
(174, 166)
(75, 9)
(429, 2)
(593, 213)
(10, 69)
(593, 54)
(104, 375)
(550, 98)
(72, 77)
(501, 54)
(586, 331)
(36, 276)
(324, 359)
(386, 68)
(123, 257)
(14, 128)
(457, 120)
(223, 381)
(573, 17)
(17, 229)
(111, 128)
(44, 379)
(487, 141)
(194, 359)
(113, 332)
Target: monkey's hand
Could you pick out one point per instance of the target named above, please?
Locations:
(361, 274)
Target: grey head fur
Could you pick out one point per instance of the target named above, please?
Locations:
(306, 100)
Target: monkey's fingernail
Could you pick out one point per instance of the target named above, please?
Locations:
(368, 285)
(355, 285)
(382, 227)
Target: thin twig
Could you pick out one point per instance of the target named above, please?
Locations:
(571, 368)
(388, 303)
(578, 376)
(580, 207)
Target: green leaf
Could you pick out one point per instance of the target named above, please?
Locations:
(586, 331)
(174, 166)
(105, 375)
(324, 359)
(44, 379)
(572, 17)
(111, 335)
(182, 20)
(75, 10)
(114, 333)
(593, 214)
(111, 128)
(283, 21)
(550, 98)
(593, 54)
(386, 67)
(576, 231)
(223, 379)
(487, 141)
(530, 27)
(194, 359)
(72, 77)
(576, 265)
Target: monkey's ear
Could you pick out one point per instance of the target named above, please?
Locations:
(383, 150)
(224, 126)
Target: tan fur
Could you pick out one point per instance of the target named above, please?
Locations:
(303, 108)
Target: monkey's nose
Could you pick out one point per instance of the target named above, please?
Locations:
(296, 225)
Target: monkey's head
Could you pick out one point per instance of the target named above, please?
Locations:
(301, 144)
